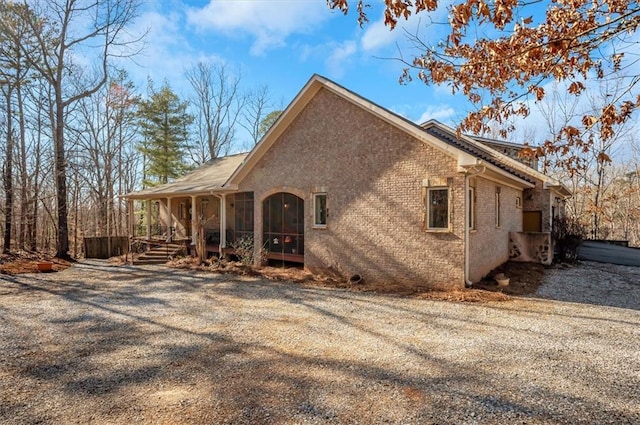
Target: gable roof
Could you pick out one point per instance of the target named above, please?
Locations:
(205, 179)
(224, 174)
(465, 157)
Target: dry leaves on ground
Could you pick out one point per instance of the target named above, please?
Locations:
(27, 262)
(525, 278)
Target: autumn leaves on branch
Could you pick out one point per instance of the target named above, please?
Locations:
(501, 53)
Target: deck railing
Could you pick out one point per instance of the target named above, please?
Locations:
(212, 236)
(157, 231)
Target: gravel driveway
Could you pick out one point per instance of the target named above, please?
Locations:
(102, 344)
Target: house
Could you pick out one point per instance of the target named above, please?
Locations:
(349, 188)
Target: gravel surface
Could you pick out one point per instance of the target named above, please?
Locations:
(104, 344)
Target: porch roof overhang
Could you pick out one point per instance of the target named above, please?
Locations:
(205, 180)
(559, 189)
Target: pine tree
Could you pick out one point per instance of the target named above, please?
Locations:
(163, 123)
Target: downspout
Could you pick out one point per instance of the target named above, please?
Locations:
(223, 221)
(131, 228)
(171, 225)
(477, 170)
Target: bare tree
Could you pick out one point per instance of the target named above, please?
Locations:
(600, 156)
(587, 170)
(8, 172)
(217, 104)
(63, 28)
(105, 135)
(256, 107)
(15, 36)
(39, 102)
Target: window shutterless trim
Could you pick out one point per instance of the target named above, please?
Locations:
(323, 213)
(430, 209)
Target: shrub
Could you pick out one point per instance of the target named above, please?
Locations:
(567, 234)
(243, 248)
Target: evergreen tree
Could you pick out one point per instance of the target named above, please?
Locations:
(268, 121)
(163, 123)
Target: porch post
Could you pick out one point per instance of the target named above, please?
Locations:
(131, 218)
(169, 220)
(223, 221)
(148, 218)
(194, 224)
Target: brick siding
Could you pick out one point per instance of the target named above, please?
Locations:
(373, 175)
(489, 245)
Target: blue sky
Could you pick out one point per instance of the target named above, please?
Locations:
(281, 43)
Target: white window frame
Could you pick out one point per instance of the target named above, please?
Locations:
(316, 196)
(428, 201)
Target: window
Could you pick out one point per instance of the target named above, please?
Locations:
(497, 208)
(320, 210)
(472, 207)
(182, 211)
(438, 208)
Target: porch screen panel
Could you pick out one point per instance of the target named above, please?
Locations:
(243, 215)
(283, 224)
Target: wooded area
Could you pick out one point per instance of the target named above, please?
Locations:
(74, 133)
(77, 133)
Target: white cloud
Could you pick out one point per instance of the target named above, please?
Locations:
(269, 22)
(340, 56)
(165, 51)
(377, 36)
(442, 113)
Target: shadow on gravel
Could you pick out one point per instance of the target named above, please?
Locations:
(166, 346)
(600, 284)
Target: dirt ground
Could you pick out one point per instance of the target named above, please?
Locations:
(25, 262)
(525, 278)
(104, 344)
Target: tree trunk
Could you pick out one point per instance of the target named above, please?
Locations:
(62, 244)
(596, 213)
(33, 221)
(8, 178)
(24, 177)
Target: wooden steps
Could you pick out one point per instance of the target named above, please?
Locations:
(159, 254)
